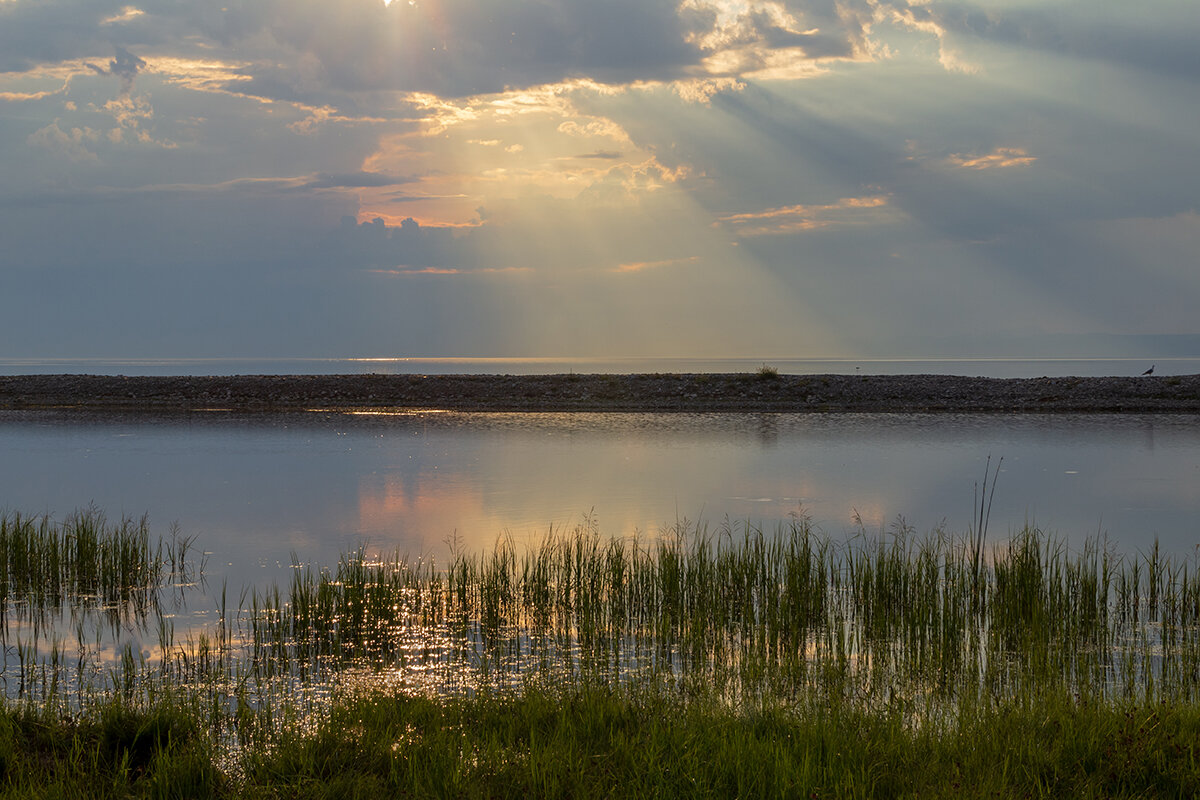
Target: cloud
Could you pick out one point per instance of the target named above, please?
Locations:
(352, 180)
(639, 266)
(125, 65)
(23, 97)
(551, 146)
(1000, 158)
(798, 218)
(1163, 42)
(455, 48)
(408, 248)
(783, 40)
(50, 32)
(702, 90)
(73, 143)
(312, 50)
(127, 14)
(500, 162)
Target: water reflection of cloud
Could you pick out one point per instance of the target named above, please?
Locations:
(420, 511)
(254, 493)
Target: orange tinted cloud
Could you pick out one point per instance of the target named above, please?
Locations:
(1000, 158)
(639, 266)
(793, 219)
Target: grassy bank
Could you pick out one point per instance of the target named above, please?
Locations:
(719, 663)
(601, 743)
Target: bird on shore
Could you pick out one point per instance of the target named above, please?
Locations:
(1149, 371)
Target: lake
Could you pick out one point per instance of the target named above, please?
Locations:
(260, 493)
(254, 489)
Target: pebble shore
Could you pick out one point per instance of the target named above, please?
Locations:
(741, 392)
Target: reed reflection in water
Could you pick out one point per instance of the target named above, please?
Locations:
(920, 625)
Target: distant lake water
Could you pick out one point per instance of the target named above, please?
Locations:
(992, 367)
(255, 489)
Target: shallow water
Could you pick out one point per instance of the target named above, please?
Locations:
(253, 490)
(260, 493)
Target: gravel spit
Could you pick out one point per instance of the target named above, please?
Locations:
(705, 392)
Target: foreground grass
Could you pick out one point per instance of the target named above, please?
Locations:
(601, 743)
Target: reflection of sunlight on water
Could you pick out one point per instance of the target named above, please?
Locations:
(398, 412)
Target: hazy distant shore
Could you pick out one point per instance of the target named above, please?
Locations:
(742, 392)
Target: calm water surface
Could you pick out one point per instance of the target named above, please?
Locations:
(253, 490)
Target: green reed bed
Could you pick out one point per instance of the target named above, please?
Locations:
(84, 562)
(704, 663)
(76, 596)
(925, 622)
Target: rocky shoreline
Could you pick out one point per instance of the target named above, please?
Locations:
(741, 392)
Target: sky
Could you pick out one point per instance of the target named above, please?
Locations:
(603, 178)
